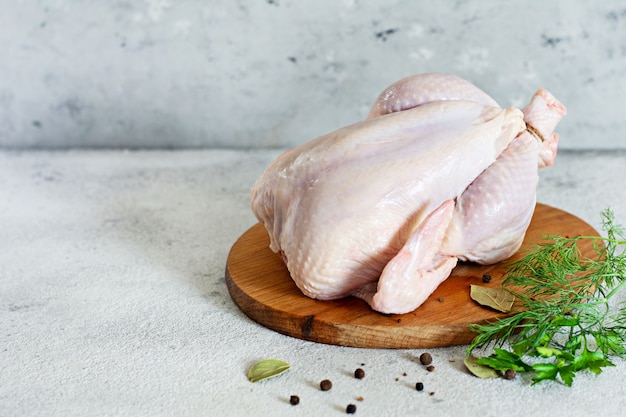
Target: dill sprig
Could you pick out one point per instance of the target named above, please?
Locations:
(563, 316)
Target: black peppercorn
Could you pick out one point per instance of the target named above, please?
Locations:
(359, 373)
(325, 385)
(510, 374)
(294, 400)
(426, 358)
(351, 409)
(419, 386)
(486, 278)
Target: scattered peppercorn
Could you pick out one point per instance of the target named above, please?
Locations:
(325, 385)
(419, 386)
(430, 368)
(510, 374)
(426, 358)
(351, 409)
(359, 373)
(294, 400)
(486, 278)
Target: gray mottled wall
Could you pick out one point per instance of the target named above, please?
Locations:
(236, 73)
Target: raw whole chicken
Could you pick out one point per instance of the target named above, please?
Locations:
(384, 209)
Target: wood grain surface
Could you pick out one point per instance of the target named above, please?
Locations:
(260, 285)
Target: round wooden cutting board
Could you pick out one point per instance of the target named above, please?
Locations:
(260, 285)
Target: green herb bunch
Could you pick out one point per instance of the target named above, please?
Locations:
(563, 320)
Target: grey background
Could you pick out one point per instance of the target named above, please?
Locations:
(275, 73)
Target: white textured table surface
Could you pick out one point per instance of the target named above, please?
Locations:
(113, 300)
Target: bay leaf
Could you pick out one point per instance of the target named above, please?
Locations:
(481, 371)
(267, 368)
(496, 298)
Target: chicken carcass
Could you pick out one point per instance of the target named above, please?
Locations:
(384, 209)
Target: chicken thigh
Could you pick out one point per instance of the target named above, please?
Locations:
(384, 208)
